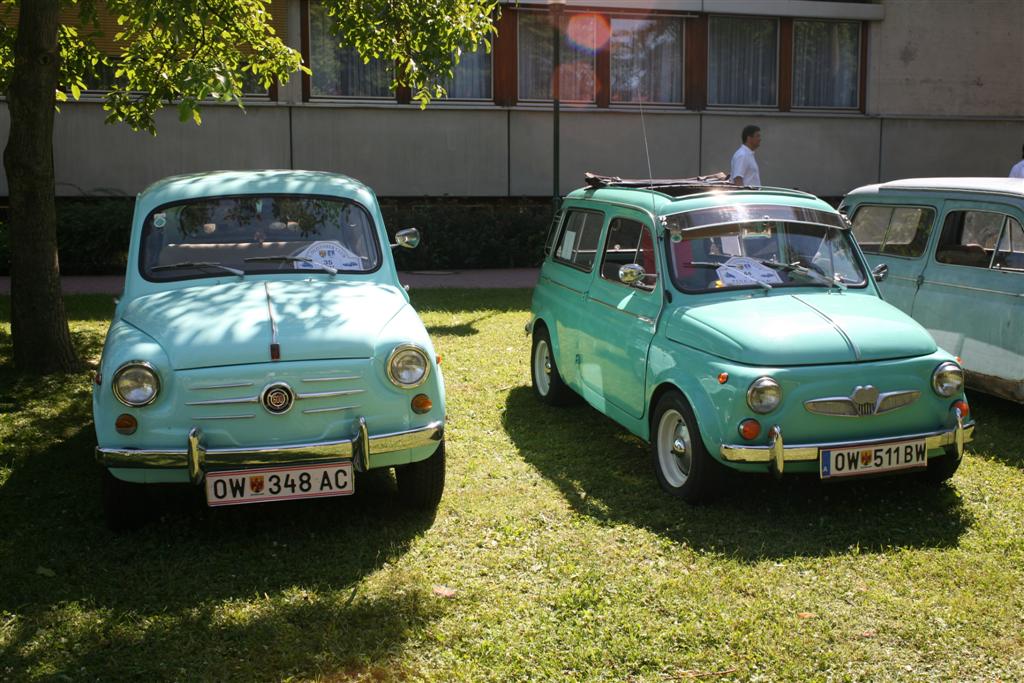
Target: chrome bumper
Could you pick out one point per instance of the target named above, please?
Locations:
(779, 453)
(197, 459)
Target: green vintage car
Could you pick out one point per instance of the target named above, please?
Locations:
(738, 328)
(954, 253)
(263, 348)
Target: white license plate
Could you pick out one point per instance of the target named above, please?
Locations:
(279, 483)
(850, 461)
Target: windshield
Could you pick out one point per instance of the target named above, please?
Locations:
(238, 236)
(765, 254)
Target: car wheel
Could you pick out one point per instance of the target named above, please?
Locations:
(942, 468)
(681, 463)
(124, 504)
(420, 484)
(547, 382)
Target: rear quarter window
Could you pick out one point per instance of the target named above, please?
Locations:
(577, 244)
(893, 230)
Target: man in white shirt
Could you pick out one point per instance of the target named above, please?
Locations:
(744, 169)
(1018, 169)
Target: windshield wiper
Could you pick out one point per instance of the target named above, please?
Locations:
(201, 264)
(710, 264)
(293, 259)
(804, 270)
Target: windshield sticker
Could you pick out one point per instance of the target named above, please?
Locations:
(743, 270)
(330, 254)
(159, 220)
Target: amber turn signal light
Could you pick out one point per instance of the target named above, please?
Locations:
(964, 409)
(421, 403)
(750, 429)
(126, 424)
(723, 377)
(437, 358)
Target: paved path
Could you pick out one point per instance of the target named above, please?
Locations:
(502, 278)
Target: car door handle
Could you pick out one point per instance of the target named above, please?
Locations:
(919, 281)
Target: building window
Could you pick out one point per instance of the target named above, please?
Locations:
(826, 64)
(341, 71)
(472, 80)
(536, 57)
(647, 60)
(743, 57)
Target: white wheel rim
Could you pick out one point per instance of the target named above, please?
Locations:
(542, 367)
(675, 448)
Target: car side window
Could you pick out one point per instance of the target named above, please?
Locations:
(969, 238)
(893, 230)
(1010, 254)
(629, 242)
(577, 245)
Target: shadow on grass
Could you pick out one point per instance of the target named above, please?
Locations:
(206, 588)
(606, 473)
(998, 433)
(470, 300)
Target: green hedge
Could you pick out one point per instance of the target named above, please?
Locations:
(93, 234)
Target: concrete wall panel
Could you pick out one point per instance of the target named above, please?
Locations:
(827, 156)
(91, 157)
(406, 151)
(924, 147)
(610, 143)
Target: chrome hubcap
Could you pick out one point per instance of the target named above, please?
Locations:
(675, 455)
(542, 368)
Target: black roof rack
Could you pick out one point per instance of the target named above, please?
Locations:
(674, 187)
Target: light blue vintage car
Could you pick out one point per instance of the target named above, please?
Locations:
(954, 252)
(264, 349)
(738, 327)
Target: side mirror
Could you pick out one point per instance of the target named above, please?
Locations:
(631, 274)
(408, 238)
(880, 272)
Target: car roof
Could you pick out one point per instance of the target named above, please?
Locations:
(261, 182)
(665, 197)
(1004, 186)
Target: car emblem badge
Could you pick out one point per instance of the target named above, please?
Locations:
(278, 398)
(865, 399)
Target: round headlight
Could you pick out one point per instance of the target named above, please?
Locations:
(764, 395)
(948, 379)
(408, 366)
(136, 384)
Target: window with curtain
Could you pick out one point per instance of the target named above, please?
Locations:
(743, 55)
(647, 60)
(536, 57)
(472, 80)
(340, 71)
(826, 64)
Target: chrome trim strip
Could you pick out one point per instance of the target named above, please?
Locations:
(196, 459)
(806, 452)
(974, 289)
(559, 284)
(833, 323)
(331, 379)
(221, 386)
(311, 411)
(328, 394)
(223, 401)
(641, 318)
(248, 416)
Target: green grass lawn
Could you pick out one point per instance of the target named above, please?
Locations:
(553, 556)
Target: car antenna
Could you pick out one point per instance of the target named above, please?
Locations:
(647, 152)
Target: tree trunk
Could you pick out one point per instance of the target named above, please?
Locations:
(39, 326)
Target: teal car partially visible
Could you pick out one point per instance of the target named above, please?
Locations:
(263, 348)
(738, 328)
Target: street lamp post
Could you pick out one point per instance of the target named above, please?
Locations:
(557, 7)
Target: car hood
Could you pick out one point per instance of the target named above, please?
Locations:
(801, 329)
(235, 323)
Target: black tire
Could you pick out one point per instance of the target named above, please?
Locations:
(125, 505)
(420, 484)
(547, 382)
(682, 465)
(942, 468)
